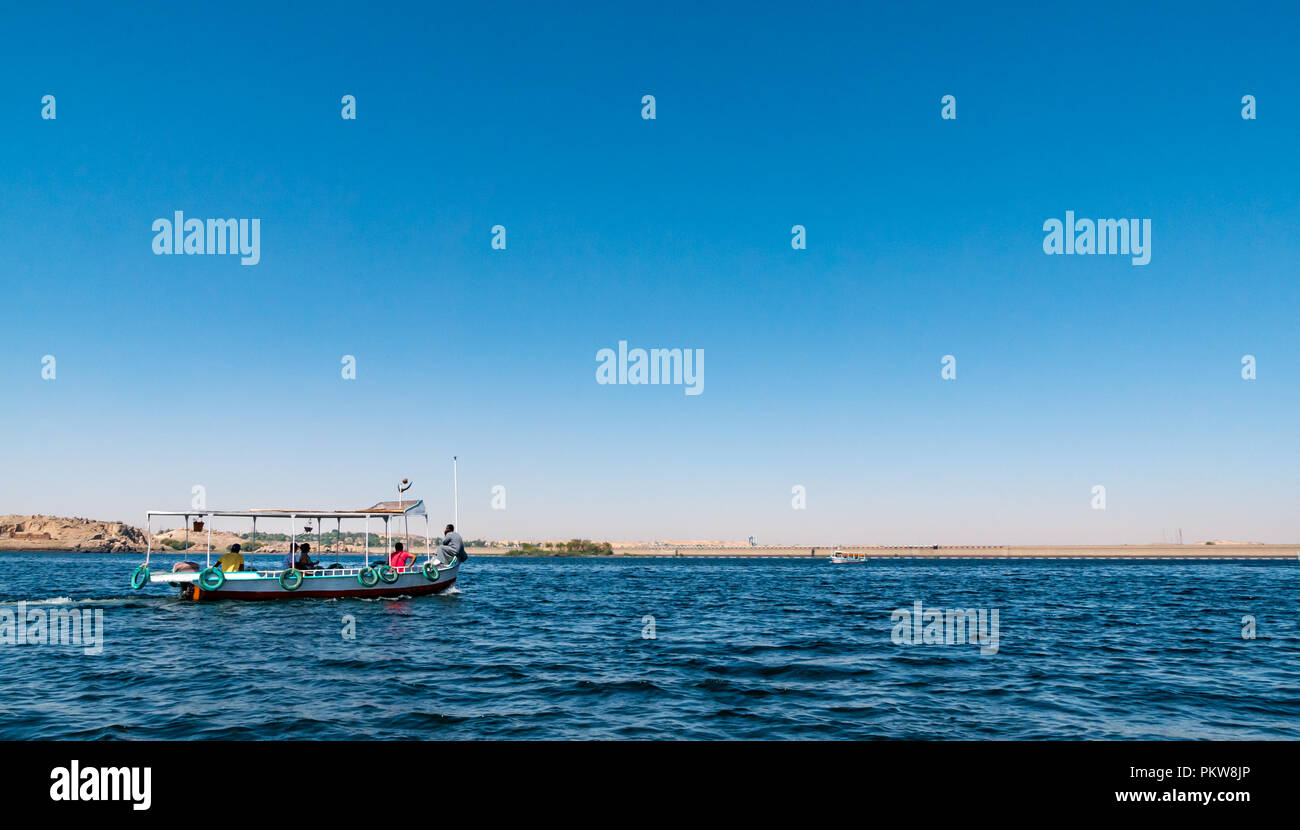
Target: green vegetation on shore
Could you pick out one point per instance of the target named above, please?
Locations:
(328, 539)
(180, 544)
(332, 538)
(573, 547)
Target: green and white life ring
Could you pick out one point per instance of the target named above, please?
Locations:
(430, 571)
(211, 578)
(140, 576)
(367, 577)
(291, 580)
(388, 573)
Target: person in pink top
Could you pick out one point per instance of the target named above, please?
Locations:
(400, 558)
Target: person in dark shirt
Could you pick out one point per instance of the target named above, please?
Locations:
(304, 561)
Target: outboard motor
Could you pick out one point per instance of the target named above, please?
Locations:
(187, 591)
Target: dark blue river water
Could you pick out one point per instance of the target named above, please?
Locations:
(745, 648)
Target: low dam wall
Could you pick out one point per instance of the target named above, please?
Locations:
(967, 552)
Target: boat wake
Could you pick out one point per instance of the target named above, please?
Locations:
(70, 601)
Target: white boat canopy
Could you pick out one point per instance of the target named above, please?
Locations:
(385, 510)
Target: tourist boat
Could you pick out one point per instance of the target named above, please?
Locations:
(429, 574)
(841, 557)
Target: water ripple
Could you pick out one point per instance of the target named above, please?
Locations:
(741, 649)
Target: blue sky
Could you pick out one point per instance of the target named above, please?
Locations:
(822, 365)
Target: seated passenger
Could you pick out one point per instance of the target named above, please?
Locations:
(400, 558)
(233, 561)
(452, 546)
(303, 562)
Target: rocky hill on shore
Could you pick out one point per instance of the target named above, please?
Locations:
(75, 535)
(56, 533)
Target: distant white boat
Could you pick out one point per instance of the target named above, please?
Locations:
(841, 557)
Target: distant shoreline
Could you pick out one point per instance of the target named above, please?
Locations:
(40, 533)
(939, 552)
